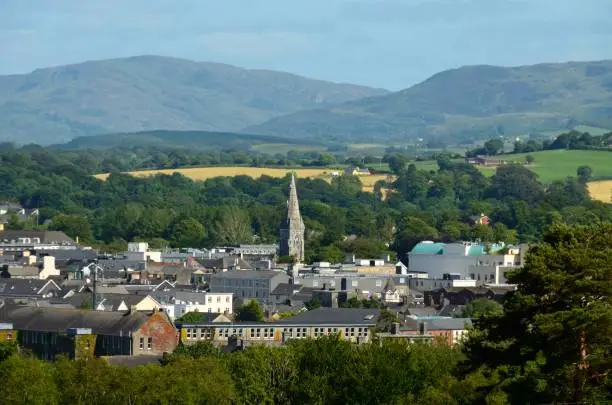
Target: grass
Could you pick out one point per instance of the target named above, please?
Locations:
(554, 165)
(601, 190)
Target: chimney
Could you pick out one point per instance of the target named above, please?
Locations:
(423, 327)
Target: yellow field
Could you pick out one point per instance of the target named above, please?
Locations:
(601, 190)
(203, 173)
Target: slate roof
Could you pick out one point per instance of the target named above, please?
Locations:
(334, 316)
(247, 274)
(224, 263)
(59, 320)
(15, 287)
(286, 289)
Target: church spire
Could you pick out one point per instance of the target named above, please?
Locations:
(292, 227)
(293, 205)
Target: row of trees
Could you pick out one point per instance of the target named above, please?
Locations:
(172, 210)
(550, 343)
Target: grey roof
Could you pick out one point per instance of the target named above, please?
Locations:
(334, 316)
(224, 263)
(286, 289)
(424, 311)
(247, 274)
(46, 237)
(59, 320)
(69, 255)
(15, 287)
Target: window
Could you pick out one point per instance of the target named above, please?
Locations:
(141, 343)
(9, 336)
(354, 283)
(378, 283)
(218, 299)
(315, 283)
(227, 299)
(149, 343)
(209, 300)
(346, 332)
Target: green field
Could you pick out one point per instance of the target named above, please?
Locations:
(554, 165)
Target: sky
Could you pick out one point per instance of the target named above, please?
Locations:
(383, 43)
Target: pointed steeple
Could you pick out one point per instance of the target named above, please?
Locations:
(292, 227)
(293, 205)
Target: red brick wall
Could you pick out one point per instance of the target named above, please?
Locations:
(446, 335)
(161, 330)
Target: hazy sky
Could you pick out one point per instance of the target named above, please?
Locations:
(385, 43)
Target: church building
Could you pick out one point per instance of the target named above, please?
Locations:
(292, 227)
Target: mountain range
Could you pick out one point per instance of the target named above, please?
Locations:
(145, 93)
(149, 93)
(468, 103)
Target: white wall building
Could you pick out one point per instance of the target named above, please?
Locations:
(185, 302)
(465, 259)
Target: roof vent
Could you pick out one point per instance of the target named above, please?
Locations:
(368, 317)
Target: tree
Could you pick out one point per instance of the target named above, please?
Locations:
(313, 304)
(385, 320)
(494, 146)
(233, 226)
(529, 159)
(75, 226)
(553, 342)
(584, 173)
(396, 163)
(481, 307)
(188, 232)
(250, 312)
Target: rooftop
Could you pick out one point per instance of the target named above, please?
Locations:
(334, 316)
(59, 320)
(247, 274)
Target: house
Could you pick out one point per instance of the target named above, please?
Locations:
(390, 294)
(352, 324)
(463, 295)
(481, 219)
(178, 303)
(18, 241)
(482, 160)
(28, 289)
(449, 330)
(283, 292)
(50, 332)
(127, 302)
(356, 171)
(248, 284)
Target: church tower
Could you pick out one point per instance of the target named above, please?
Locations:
(292, 227)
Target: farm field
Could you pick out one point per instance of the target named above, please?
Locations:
(554, 165)
(601, 190)
(203, 173)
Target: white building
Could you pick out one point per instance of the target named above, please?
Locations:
(139, 252)
(468, 260)
(184, 302)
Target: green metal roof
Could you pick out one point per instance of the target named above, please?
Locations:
(425, 248)
(476, 250)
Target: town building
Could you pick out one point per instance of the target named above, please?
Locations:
(248, 284)
(50, 332)
(352, 324)
(467, 260)
(18, 241)
(292, 228)
(179, 303)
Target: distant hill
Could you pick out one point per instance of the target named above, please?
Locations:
(143, 93)
(194, 140)
(472, 102)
